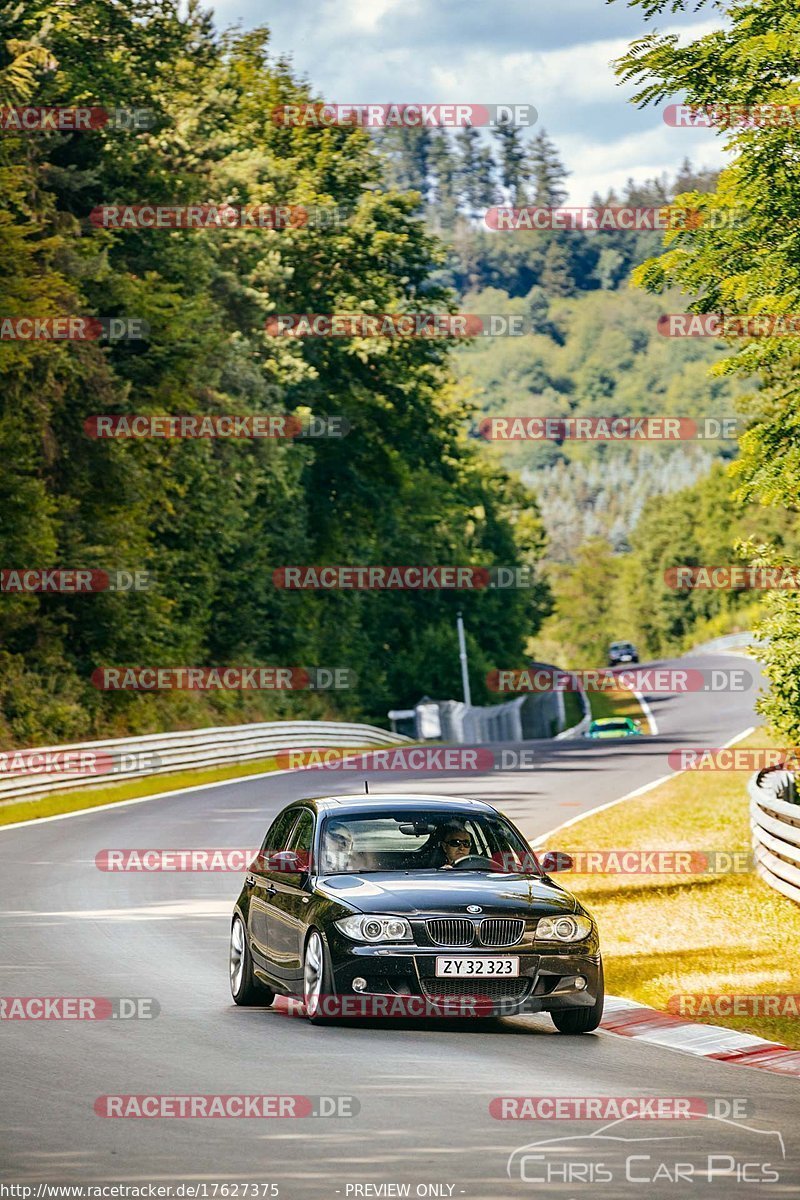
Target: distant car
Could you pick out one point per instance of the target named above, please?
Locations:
(614, 727)
(414, 899)
(622, 652)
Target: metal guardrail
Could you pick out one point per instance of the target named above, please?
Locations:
(536, 715)
(776, 840)
(578, 730)
(731, 641)
(189, 749)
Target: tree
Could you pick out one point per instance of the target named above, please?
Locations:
(476, 188)
(557, 278)
(212, 520)
(546, 172)
(735, 256)
(511, 162)
(444, 171)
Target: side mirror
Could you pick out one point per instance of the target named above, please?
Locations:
(555, 860)
(288, 861)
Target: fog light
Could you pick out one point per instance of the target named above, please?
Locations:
(359, 984)
(580, 983)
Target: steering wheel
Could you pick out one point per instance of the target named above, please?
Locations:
(479, 861)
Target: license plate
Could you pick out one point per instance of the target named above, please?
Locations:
(474, 968)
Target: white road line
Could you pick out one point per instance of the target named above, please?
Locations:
(648, 712)
(200, 787)
(203, 787)
(640, 791)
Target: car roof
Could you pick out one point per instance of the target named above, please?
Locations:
(610, 720)
(377, 800)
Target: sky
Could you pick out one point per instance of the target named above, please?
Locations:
(554, 54)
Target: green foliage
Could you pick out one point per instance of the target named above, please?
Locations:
(744, 258)
(595, 355)
(605, 597)
(211, 520)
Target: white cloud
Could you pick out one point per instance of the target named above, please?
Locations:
(598, 166)
(355, 51)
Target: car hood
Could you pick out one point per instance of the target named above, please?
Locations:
(422, 893)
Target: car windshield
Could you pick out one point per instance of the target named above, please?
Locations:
(433, 840)
(613, 726)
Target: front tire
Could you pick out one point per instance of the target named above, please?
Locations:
(245, 988)
(317, 977)
(582, 1020)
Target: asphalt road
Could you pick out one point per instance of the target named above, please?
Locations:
(68, 928)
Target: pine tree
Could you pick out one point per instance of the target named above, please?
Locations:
(476, 168)
(546, 172)
(557, 277)
(511, 162)
(444, 170)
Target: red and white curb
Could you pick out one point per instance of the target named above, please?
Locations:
(626, 1018)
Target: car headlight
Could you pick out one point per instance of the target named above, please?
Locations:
(375, 929)
(563, 929)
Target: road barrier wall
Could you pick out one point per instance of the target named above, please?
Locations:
(776, 840)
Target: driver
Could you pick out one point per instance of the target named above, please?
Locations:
(454, 843)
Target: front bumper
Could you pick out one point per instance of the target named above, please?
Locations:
(548, 979)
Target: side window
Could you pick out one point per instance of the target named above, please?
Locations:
(302, 837)
(278, 833)
(479, 843)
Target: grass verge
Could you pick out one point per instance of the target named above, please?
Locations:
(573, 709)
(617, 704)
(666, 935)
(134, 789)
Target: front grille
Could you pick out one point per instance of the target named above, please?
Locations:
(451, 931)
(489, 989)
(501, 931)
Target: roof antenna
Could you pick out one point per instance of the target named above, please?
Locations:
(366, 788)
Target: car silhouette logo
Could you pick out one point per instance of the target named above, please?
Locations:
(474, 908)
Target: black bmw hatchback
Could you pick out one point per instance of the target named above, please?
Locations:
(412, 905)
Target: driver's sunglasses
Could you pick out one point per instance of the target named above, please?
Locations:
(459, 842)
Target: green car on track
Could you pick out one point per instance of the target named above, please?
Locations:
(614, 727)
